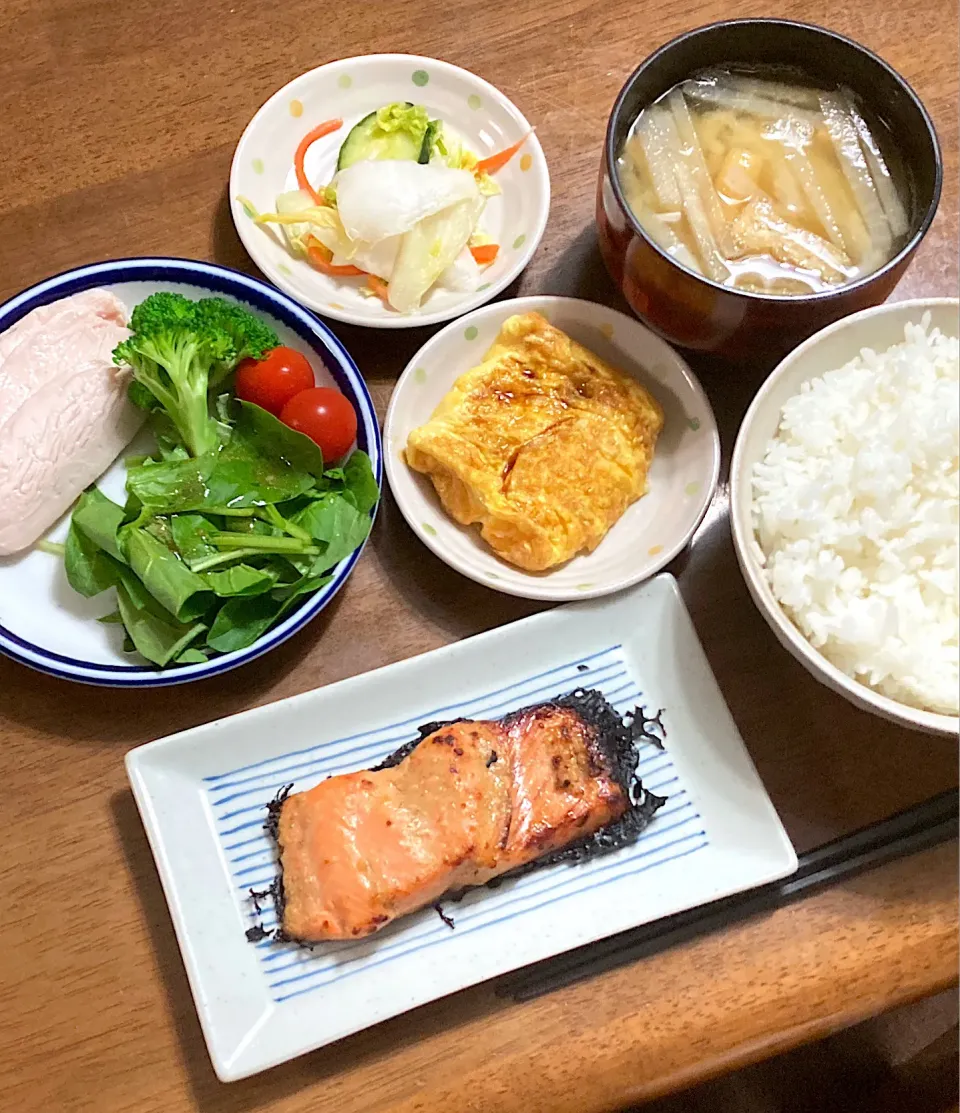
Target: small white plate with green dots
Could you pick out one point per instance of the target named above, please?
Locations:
(683, 476)
(481, 116)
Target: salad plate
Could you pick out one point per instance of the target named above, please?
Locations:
(474, 117)
(44, 623)
(652, 531)
(203, 793)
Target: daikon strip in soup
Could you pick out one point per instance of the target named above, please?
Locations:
(765, 182)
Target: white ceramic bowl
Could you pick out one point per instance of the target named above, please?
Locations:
(350, 89)
(653, 530)
(878, 328)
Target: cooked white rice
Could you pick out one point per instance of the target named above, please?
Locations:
(855, 505)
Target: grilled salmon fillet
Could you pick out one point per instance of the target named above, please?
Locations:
(465, 803)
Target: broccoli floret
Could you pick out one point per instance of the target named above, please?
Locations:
(172, 353)
(179, 349)
(161, 311)
(249, 336)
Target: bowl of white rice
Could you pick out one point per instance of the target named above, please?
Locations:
(844, 507)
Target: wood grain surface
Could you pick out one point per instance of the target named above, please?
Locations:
(118, 122)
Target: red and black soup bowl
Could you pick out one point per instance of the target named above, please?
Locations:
(697, 313)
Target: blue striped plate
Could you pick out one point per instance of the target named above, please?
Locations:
(202, 795)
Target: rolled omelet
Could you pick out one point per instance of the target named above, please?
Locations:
(544, 445)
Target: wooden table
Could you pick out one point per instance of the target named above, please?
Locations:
(118, 123)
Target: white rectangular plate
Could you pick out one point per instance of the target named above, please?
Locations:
(202, 796)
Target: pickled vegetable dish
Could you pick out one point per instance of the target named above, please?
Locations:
(402, 212)
(761, 181)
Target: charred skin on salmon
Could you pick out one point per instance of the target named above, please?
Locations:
(465, 803)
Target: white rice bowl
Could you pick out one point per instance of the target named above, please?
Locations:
(855, 507)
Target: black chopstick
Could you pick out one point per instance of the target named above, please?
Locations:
(908, 832)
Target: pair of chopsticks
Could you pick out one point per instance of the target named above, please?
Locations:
(908, 832)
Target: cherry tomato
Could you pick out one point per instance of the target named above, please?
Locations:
(272, 381)
(326, 417)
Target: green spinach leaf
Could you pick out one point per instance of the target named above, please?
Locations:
(165, 576)
(263, 462)
(302, 586)
(240, 579)
(98, 519)
(89, 569)
(276, 440)
(176, 485)
(191, 535)
(337, 522)
(246, 476)
(359, 481)
(156, 635)
(242, 620)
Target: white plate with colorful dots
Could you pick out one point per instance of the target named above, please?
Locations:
(653, 530)
(480, 115)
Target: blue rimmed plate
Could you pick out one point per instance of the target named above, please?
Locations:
(202, 795)
(43, 622)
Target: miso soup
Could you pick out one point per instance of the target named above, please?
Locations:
(761, 181)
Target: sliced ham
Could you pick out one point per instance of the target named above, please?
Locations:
(64, 412)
